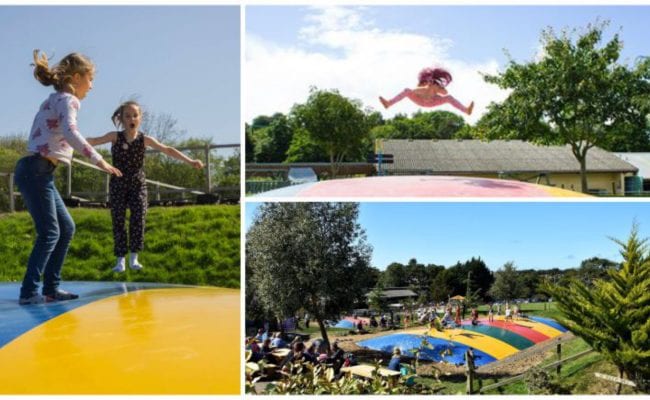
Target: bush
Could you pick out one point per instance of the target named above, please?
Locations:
(306, 378)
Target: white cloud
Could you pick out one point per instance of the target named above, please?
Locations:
(341, 48)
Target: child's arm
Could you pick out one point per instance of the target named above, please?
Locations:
(172, 152)
(96, 141)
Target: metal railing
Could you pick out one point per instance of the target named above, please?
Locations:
(157, 192)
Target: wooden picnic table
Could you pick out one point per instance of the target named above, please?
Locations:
(366, 371)
(280, 353)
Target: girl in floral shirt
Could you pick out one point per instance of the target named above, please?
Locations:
(53, 137)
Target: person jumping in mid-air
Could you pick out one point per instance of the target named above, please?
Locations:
(430, 92)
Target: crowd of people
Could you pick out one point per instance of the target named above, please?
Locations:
(268, 347)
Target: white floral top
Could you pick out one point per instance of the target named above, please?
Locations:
(54, 131)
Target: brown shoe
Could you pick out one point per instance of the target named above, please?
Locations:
(470, 108)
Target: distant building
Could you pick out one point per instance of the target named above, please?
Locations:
(509, 159)
(396, 296)
(642, 162)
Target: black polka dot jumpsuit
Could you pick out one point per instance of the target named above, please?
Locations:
(130, 191)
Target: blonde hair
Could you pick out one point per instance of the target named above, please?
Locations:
(61, 74)
(117, 114)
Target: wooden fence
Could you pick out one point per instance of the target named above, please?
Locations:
(472, 374)
(159, 187)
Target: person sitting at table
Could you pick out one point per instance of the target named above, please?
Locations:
(383, 322)
(261, 335)
(277, 342)
(312, 350)
(254, 348)
(266, 351)
(373, 322)
(394, 364)
(297, 355)
(336, 358)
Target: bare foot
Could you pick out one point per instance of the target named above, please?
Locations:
(470, 108)
(384, 102)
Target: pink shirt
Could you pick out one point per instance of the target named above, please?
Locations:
(54, 131)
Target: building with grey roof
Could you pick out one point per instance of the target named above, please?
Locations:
(508, 159)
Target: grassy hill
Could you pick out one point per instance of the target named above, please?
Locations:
(196, 245)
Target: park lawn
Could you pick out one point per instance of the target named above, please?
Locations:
(543, 309)
(197, 245)
(577, 375)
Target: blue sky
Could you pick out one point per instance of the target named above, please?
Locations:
(181, 61)
(377, 50)
(532, 235)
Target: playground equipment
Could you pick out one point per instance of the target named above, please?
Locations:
(427, 186)
(122, 338)
(490, 341)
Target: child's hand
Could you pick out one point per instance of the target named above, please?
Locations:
(198, 164)
(108, 168)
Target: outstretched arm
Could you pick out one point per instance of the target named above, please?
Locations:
(107, 138)
(171, 152)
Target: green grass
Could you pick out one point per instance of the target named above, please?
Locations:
(198, 245)
(546, 310)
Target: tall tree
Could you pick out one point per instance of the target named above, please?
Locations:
(613, 315)
(507, 283)
(576, 94)
(335, 123)
(306, 255)
(422, 125)
(394, 276)
(272, 141)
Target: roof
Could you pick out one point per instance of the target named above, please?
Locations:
(496, 156)
(639, 160)
(396, 293)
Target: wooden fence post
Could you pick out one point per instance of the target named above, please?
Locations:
(559, 357)
(108, 185)
(208, 174)
(68, 187)
(469, 365)
(12, 204)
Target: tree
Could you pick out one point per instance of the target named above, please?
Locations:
(394, 276)
(613, 316)
(594, 268)
(576, 94)
(162, 126)
(271, 142)
(440, 290)
(304, 149)
(422, 125)
(507, 283)
(336, 123)
(306, 255)
(376, 300)
(481, 277)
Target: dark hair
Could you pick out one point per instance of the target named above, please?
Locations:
(61, 74)
(117, 121)
(438, 76)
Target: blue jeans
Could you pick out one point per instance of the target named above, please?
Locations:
(54, 225)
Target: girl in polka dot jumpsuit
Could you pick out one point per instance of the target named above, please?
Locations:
(130, 190)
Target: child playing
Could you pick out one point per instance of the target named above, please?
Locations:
(53, 137)
(128, 147)
(430, 92)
